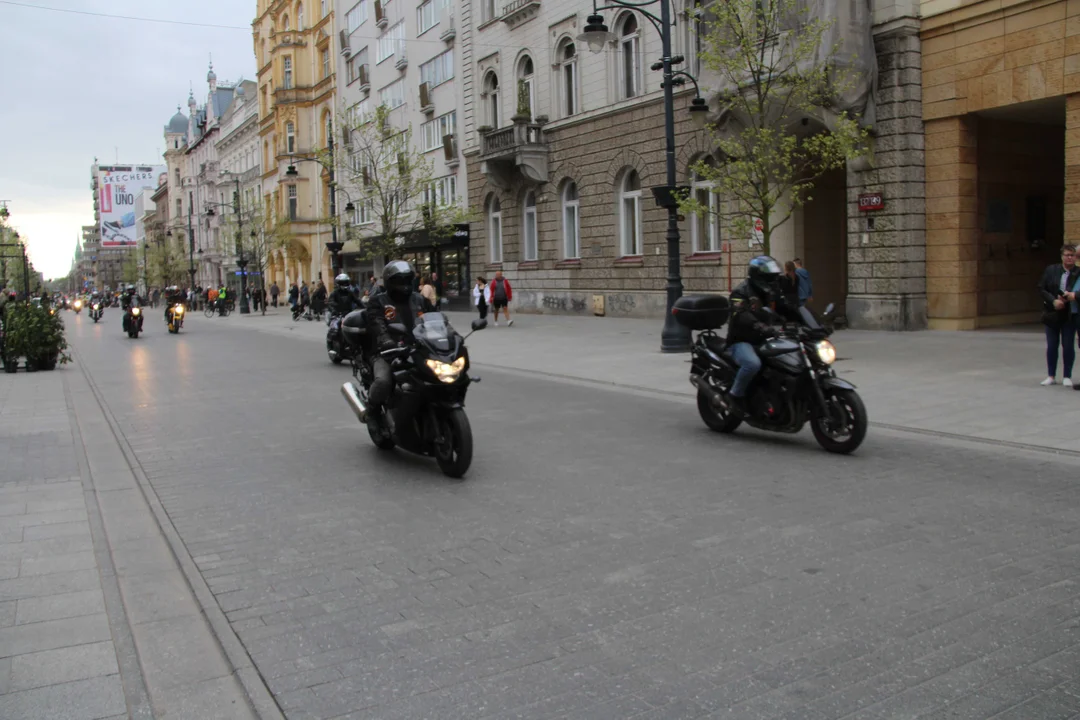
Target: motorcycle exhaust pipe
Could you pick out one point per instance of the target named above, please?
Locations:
(352, 396)
(715, 397)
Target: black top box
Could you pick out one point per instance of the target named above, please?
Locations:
(702, 312)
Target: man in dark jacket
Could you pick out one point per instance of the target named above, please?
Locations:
(1057, 288)
(344, 298)
(396, 302)
(754, 304)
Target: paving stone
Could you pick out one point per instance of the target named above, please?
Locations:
(177, 652)
(57, 563)
(94, 698)
(58, 607)
(66, 664)
(52, 634)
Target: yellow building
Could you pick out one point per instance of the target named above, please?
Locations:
(294, 51)
(1001, 105)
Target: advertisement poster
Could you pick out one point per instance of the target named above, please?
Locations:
(118, 186)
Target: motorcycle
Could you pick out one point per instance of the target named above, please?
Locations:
(796, 384)
(133, 320)
(96, 310)
(175, 319)
(336, 347)
(425, 414)
(77, 306)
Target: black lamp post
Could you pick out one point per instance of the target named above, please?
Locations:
(241, 261)
(191, 247)
(674, 337)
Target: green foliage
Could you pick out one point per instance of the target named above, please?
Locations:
(33, 332)
(779, 89)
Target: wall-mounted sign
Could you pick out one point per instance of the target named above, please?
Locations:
(871, 201)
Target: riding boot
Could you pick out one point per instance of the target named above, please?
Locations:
(737, 405)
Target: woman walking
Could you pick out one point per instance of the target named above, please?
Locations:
(481, 295)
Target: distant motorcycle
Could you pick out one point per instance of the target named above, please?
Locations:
(77, 306)
(175, 319)
(96, 310)
(133, 320)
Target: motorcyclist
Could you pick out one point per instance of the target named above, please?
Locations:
(396, 302)
(344, 298)
(128, 296)
(756, 304)
(173, 296)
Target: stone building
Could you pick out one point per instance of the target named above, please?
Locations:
(562, 147)
(236, 146)
(1001, 104)
(294, 53)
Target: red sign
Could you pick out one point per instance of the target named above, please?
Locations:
(758, 224)
(871, 201)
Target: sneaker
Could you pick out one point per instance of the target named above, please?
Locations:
(496, 323)
(1067, 382)
(1044, 383)
(509, 323)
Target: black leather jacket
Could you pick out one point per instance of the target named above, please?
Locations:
(382, 310)
(1050, 283)
(751, 319)
(344, 300)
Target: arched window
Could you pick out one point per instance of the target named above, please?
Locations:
(290, 138)
(705, 228)
(491, 89)
(285, 24)
(568, 78)
(525, 104)
(528, 227)
(328, 128)
(571, 223)
(630, 214)
(300, 16)
(629, 57)
(494, 228)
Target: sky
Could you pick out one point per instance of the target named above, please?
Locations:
(78, 86)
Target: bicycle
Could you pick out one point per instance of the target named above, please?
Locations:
(213, 308)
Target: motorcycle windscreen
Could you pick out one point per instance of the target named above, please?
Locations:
(435, 332)
(809, 319)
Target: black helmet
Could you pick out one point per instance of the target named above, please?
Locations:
(342, 280)
(764, 274)
(399, 280)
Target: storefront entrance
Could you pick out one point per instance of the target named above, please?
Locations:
(448, 259)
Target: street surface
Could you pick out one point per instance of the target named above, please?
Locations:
(605, 557)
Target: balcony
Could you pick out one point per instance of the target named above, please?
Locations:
(448, 35)
(285, 96)
(514, 154)
(519, 11)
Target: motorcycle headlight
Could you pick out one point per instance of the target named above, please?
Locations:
(96, 306)
(179, 309)
(78, 305)
(136, 311)
(447, 372)
(826, 352)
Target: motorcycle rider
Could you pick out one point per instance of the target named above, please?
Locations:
(344, 299)
(173, 296)
(129, 295)
(396, 302)
(754, 306)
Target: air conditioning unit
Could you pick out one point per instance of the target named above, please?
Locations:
(449, 146)
(365, 80)
(344, 37)
(380, 15)
(427, 104)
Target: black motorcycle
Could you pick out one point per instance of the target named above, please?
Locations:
(133, 319)
(336, 347)
(96, 309)
(426, 411)
(796, 384)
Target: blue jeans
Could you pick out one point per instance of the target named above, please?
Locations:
(749, 365)
(1066, 337)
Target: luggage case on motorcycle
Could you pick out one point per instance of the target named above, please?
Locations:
(354, 327)
(701, 312)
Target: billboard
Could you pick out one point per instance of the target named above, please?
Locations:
(118, 186)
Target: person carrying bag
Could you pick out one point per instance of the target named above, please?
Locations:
(1058, 287)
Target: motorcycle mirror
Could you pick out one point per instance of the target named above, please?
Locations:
(479, 324)
(829, 308)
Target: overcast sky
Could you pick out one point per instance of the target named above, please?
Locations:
(76, 87)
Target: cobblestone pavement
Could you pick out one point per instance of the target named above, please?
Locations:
(606, 557)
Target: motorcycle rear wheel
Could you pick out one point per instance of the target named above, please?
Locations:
(454, 454)
(715, 418)
(847, 439)
(336, 358)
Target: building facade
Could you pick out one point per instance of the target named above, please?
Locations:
(237, 149)
(294, 54)
(562, 147)
(1001, 106)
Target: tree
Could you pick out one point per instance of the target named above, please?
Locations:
(777, 71)
(390, 181)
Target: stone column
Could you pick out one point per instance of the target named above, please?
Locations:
(1072, 168)
(952, 235)
(886, 260)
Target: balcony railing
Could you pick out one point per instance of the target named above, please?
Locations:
(518, 11)
(508, 139)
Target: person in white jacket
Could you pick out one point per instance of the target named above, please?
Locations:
(481, 294)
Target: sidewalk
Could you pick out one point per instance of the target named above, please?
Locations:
(982, 385)
(97, 620)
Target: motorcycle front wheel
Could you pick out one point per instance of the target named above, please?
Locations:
(454, 453)
(846, 431)
(716, 418)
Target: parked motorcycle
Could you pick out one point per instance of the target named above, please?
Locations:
(96, 310)
(175, 318)
(796, 384)
(425, 414)
(133, 320)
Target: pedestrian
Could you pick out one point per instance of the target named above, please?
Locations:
(501, 295)
(789, 285)
(806, 286)
(427, 291)
(481, 295)
(318, 300)
(294, 295)
(305, 294)
(1058, 288)
(437, 283)
(274, 292)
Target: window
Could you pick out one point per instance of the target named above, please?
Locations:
(427, 17)
(433, 131)
(393, 95)
(487, 11)
(630, 214)
(286, 24)
(438, 70)
(390, 41)
(325, 64)
(177, 177)
(357, 114)
(568, 80)
(287, 74)
(528, 225)
(300, 16)
(491, 90)
(630, 57)
(294, 202)
(179, 207)
(571, 235)
(705, 229)
(442, 192)
(363, 213)
(495, 231)
(357, 16)
(290, 138)
(525, 80)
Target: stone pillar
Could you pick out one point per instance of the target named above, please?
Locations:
(886, 262)
(1072, 169)
(952, 236)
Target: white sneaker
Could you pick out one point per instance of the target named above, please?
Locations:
(1067, 382)
(509, 323)
(1044, 383)
(496, 323)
